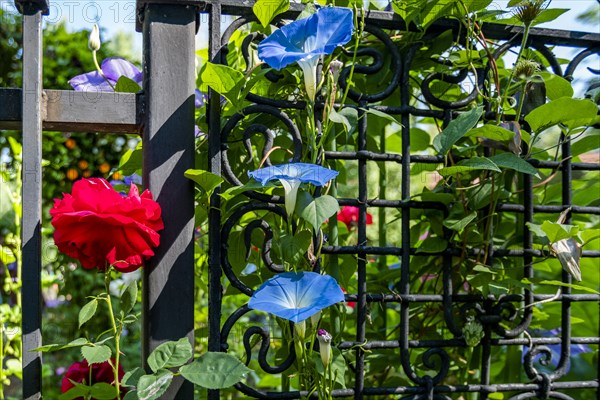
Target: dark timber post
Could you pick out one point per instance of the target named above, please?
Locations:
(168, 136)
(32, 195)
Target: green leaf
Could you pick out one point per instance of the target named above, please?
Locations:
(316, 211)
(381, 114)
(132, 377)
(549, 14)
(151, 387)
(103, 391)
(131, 161)
(460, 224)
(338, 366)
(471, 164)
(556, 86)
(207, 181)
(419, 139)
(456, 129)
(433, 245)
(131, 395)
(512, 161)
(556, 232)
(170, 354)
(537, 231)
(266, 10)
(87, 312)
(571, 112)
(493, 132)
(559, 283)
(222, 79)
(96, 354)
(77, 391)
(294, 247)
(215, 371)
(126, 85)
(347, 116)
(250, 185)
(129, 297)
(54, 347)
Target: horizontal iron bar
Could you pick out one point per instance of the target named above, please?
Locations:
(501, 387)
(397, 158)
(393, 344)
(428, 205)
(451, 251)
(391, 20)
(470, 298)
(68, 110)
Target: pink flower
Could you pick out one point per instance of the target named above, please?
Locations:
(349, 216)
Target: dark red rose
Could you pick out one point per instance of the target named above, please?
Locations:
(100, 227)
(80, 372)
(349, 216)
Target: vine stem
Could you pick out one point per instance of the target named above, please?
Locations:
(116, 331)
(504, 96)
(100, 70)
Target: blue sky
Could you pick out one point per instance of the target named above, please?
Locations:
(119, 15)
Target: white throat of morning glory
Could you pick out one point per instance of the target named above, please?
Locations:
(309, 68)
(290, 187)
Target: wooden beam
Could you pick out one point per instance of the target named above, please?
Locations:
(168, 147)
(71, 111)
(31, 197)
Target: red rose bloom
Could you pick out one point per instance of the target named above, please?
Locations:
(349, 216)
(100, 227)
(80, 372)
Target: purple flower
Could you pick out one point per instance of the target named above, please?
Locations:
(199, 100)
(296, 296)
(113, 68)
(305, 40)
(128, 180)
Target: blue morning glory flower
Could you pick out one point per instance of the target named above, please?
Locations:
(296, 296)
(113, 68)
(291, 176)
(304, 40)
(555, 349)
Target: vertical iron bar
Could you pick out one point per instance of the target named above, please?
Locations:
(404, 287)
(565, 333)
(168, 151)
(214, 214)
(32, 199)
(362, 256)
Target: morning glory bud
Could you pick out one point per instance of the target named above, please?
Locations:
(324, 346)
(314, 319)
(300, 329)
(335, 67)
(94, 42)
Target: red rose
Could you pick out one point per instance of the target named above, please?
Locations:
(80, 372)
(349, 216)
(101, 227)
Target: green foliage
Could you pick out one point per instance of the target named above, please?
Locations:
(266, 10)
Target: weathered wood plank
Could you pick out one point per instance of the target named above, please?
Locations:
(31, 195)
(168, 148)
(71, 111)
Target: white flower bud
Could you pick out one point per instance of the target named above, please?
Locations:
(324, 346)
(335, 67)
(94, 42)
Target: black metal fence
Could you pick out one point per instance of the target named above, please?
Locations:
(164, 115)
